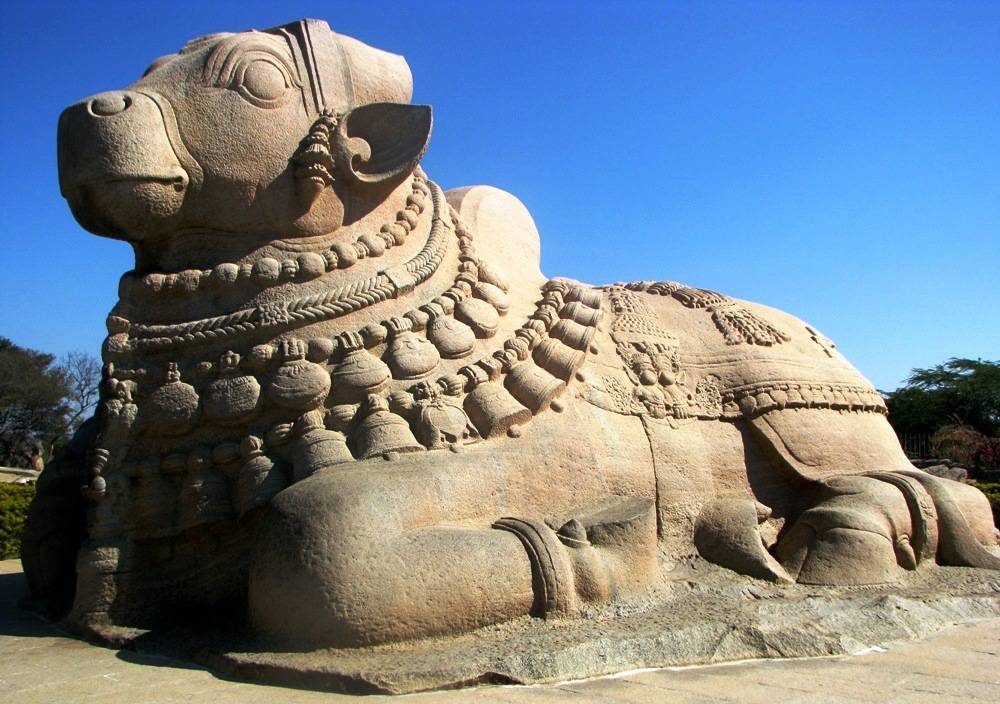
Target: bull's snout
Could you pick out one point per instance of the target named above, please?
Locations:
(116, 136)
(118, 167)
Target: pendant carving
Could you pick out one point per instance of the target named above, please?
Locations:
(298, 384)
(173, 407)
(478, 315)
(232, 397)
(409, 355)
(453, 338)
(360, 373)
(439, 421)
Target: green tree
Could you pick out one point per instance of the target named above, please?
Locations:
(958, 392)
(33, 404)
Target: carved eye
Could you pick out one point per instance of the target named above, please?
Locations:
(255, 66)
(264, 81)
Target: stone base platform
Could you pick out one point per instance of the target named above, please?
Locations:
(701, 622)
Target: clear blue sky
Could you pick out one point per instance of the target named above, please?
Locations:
(838, 160)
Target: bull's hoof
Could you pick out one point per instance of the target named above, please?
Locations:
(727, 534)
(604, 550)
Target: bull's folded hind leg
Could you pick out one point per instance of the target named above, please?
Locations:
(860, 531)
(867, 529)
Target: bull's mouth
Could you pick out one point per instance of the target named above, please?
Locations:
(127, 206)
(177, 181)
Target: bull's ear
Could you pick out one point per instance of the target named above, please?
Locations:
(380, 141)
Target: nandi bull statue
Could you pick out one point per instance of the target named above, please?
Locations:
(346, 408)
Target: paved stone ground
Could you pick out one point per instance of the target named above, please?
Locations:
(40, 664)
(12, 474)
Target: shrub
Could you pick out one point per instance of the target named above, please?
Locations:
(992, 491)
(961, 443)
(14, 502)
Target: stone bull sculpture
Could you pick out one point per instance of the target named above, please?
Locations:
(347, 406)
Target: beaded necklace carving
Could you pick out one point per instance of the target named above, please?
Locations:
(389, 283)
(311, 261)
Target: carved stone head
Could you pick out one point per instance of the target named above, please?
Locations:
(292, 131)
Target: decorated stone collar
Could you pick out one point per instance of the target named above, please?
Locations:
(310, 262)
(275, 317)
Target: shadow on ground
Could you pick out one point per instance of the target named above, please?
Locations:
(18, 621)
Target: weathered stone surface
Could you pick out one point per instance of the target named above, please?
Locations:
(345, 409)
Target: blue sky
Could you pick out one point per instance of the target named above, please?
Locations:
(838, 160)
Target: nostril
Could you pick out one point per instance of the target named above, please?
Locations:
(109, 104)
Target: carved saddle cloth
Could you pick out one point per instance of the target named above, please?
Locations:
(687, 354)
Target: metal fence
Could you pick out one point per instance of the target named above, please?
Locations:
(917, 446)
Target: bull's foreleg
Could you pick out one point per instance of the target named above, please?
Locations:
(350, 559)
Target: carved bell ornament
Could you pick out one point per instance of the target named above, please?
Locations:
(573, 334)
(453, 338)
(581, 313)
(494, 411)
(360, 373)
(298, 384)
(152, 499)
(382, 431)
(315, 447)
(533, 387)
(232, 397)
(173, 407)
(410, 356)
(558, 359)
(259, 479)
(204, 498)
